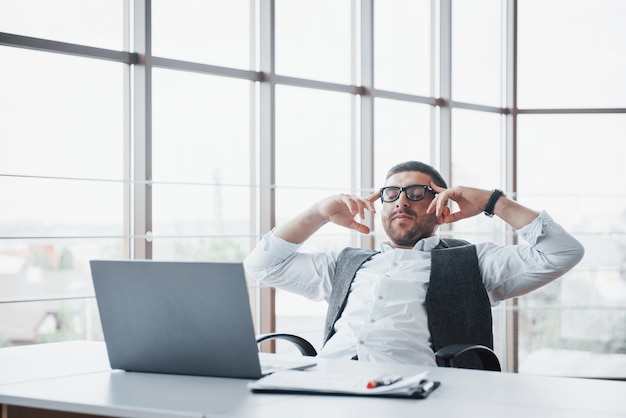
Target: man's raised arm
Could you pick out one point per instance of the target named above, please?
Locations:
(339, 209)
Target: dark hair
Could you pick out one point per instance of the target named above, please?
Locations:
(418, 166)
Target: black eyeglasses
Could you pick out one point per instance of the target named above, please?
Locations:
(415, 192)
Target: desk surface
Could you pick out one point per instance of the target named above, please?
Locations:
(75, 377)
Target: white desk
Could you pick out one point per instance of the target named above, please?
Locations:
(86, 385)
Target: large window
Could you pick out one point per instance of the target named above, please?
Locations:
(571, 133)
(186, 130)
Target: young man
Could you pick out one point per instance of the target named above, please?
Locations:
(383, 304)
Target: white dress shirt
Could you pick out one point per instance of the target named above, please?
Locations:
(384, 319)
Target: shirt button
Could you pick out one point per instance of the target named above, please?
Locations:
(361, 342)
(372, 320)
(380, 297)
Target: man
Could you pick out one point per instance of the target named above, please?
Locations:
(383, 303)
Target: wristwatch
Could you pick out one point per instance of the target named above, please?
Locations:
(497, 193)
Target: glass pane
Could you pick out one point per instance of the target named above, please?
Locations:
(401, 133)
(43, 268)
(201, 136)
(207, 31)
(476, 137)
(33, 269)
(49, 321)
(61, 115)
(577, 325)
(201, 222)
(54, 207)
(589, 151)
(571, 54)
(201, 128)
(477, 51)
(97, 23)
(402, 46)
(313, 139)
(216, 248)
(313, 39)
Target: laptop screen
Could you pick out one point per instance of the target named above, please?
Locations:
(176, 317)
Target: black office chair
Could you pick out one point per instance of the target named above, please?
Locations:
(446, 357)
(465, 342)
(458, 308)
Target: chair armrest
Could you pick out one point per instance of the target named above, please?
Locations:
(488, 358)
(303, 345)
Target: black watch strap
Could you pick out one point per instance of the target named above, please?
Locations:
(497, 193)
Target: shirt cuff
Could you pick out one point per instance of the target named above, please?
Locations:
(534, 230)
(277, 246)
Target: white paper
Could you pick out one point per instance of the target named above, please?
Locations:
(310, 381)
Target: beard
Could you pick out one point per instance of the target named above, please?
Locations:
(406, 235)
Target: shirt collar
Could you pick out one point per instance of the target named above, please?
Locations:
(425, 244)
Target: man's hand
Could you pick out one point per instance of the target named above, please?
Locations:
(343, 209)
(339, 209)
(470, 201)
(473, 201)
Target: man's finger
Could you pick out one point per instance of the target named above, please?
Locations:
(436, 188)
(363, 229)
(373, 197)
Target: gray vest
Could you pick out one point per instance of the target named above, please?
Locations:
(457, 304)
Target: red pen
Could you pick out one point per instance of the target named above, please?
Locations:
(383, 381)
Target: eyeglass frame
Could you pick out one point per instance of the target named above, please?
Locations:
(405, 190)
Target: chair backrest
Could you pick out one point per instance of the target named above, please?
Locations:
(458, 307)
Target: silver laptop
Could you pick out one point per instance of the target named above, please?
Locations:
(188, 318)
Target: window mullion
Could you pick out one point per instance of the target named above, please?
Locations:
(265, 308)
(142, 132)
(510, 169)
(367, 107)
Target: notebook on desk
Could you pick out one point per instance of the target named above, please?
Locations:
(189, 318)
